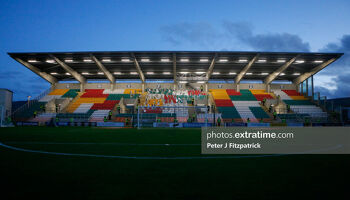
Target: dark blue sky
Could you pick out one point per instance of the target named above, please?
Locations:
(34, 26)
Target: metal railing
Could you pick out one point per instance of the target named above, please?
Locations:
(29, 103)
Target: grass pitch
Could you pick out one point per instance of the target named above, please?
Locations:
(44, 175)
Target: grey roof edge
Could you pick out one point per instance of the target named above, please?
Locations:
(233, 52)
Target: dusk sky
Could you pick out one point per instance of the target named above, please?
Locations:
(298, 26)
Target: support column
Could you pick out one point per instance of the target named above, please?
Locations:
(53, 86)
(307, 87)
(143, 87)
(237, 87)
(312, 87)
(302, 88)
(112, 86)
(206, 89)
(297, 87)
(268, 88)
(82, 87)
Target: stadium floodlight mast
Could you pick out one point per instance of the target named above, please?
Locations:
(243, 60)
(125, 60)
(184, 60)
(165, 60)
(87, 60)
(223, 60)
(145, 60)
(106, 60)
(50, 61)
(68, 60)
(261, 61)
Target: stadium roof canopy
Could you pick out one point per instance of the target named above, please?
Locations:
(178, 65)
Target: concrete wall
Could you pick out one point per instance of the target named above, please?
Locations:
(163, 85)
(170, 85)
(6, 101)
(256, 86)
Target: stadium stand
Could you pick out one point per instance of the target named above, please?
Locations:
(300, 104)
(187, 96)
(239, 106)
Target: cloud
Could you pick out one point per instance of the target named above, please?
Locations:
(23, 83)
(196, 33)
(265, 42)
(241, 36)
(339, 70)
(231, 36)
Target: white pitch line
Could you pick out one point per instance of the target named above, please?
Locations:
(158, 158)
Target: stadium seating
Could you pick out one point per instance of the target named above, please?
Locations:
(300, 104)
(231, 105)
(43, 117)
(94, 93)
(223, 103)
(72, 93)
(74, 117)
(28, 113)
(58, 92)
(259, 113)
(72, 107)
(241, 105)
(106, 105)
(99, 115)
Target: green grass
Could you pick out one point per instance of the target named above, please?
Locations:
(70, 177)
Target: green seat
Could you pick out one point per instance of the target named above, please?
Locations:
(72, 93)
(228, 112)
(298, 102)
(259, 112)
(246, 95)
